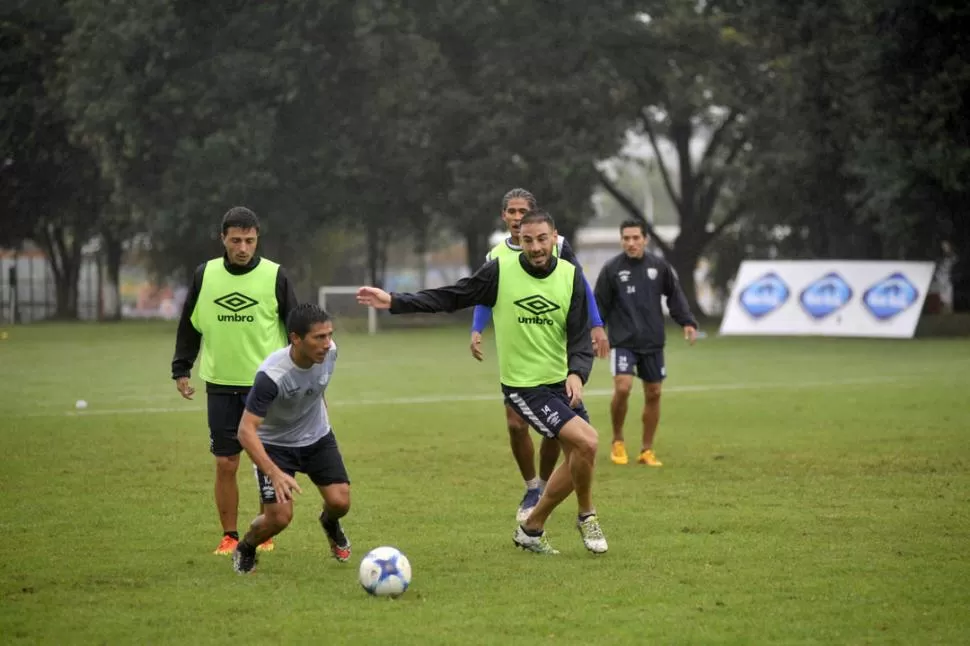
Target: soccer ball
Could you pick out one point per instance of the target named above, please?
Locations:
(385, 572)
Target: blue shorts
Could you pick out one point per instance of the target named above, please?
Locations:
(545, 408)
(648, 366)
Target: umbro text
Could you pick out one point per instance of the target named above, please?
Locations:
(535, 320)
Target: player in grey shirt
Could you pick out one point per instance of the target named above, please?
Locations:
(285, 429)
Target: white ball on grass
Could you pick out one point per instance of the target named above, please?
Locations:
(385, 572)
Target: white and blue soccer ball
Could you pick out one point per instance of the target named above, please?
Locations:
(385, 572)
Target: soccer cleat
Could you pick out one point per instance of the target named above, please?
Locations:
(592, 534)
(649, 458)
(339, 543)
(266, 546)
(243, 560)
(537, 544)
(227, 545)
(529, 501)
(341, 552)
(618, 453)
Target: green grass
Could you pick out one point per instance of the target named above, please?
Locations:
(814, 491)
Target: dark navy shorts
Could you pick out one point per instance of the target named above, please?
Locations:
(648, 366)
(225, 411)
(545, 408)
(321, 461)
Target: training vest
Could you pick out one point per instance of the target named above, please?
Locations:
(238, 317)
(503, 249)
(530, 323)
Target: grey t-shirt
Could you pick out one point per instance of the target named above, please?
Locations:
(290, 399)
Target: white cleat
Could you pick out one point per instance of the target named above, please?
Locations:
(592, 534)
(537, 544)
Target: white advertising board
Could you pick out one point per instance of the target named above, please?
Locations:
(827, 298)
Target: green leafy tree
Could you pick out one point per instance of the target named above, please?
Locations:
(698, 75)
(534, 103)
(50, 189)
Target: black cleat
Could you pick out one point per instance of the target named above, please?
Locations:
(243, 559)
(339, 543)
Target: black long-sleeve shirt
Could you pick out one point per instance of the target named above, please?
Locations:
(188, 340)
(628, 292)
(481, 288)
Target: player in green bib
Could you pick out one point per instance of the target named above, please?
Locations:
(516, 204)
(545, 355)
(235, 311)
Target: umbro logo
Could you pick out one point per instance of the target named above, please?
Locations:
(538, 306)
(235, 302)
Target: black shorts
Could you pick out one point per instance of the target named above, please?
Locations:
(321, 461)
(545, 408)
(225, 411)
(648, 366)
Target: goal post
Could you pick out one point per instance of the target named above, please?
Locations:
(344, 290)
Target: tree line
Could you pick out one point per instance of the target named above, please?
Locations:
(828, 129)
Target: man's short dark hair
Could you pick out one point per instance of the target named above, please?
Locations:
(303, 317)
(537, 216)
(634, 222)
(239, 217)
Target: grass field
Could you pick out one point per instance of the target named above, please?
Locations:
(815, 491)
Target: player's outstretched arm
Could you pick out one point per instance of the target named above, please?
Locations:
(481, 288)
(374, 297)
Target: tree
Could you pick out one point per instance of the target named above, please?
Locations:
(913, 160)
(523, 109)
(51, 190)
(698, 77)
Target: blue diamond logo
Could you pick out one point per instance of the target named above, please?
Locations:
(890, 296)
(826, 295)
(764, 296)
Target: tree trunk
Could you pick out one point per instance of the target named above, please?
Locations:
(385, 238)
(569, 230)
(373, 253)
(684, 257)
(378, 238)
(113, 253)
(421, 251)
(476, 246)
(63, 252)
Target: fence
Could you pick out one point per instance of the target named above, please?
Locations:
(27, 291)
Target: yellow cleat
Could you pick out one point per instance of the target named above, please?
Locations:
(266, 546)
(618, 453)
(650, 459)
(227, 546)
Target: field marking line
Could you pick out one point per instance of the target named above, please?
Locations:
(443, 399)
